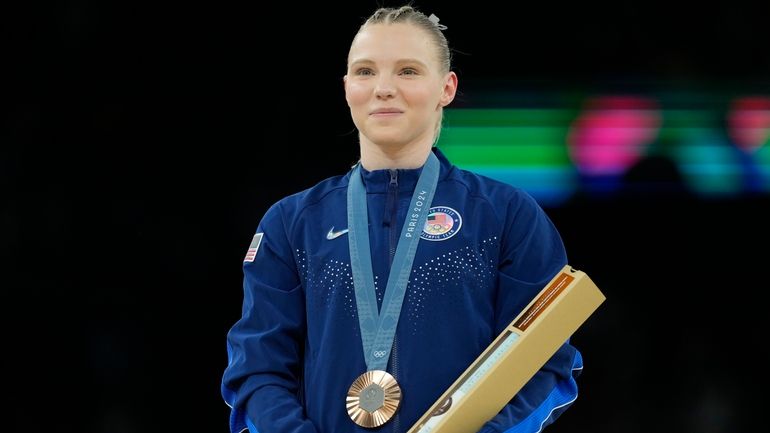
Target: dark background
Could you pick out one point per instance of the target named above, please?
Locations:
(139, 149)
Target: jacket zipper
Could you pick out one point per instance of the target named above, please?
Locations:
(392, 243)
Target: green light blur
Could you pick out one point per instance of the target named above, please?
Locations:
(522, 147)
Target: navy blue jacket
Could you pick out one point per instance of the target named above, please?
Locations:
(485, 252)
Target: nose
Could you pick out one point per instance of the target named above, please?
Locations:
(385, 88)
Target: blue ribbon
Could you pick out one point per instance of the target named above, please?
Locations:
(378, 330)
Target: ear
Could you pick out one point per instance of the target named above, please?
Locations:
(449, 90)
(345, 86)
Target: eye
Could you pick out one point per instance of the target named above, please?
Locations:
(363, 71)
(409, 71)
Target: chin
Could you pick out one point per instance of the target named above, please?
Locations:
(387, 140)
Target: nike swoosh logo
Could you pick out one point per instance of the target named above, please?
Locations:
(334, 235)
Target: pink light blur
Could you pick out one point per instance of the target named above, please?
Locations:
(749, 122)
(612, 133)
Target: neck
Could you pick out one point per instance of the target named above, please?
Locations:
(375, 157)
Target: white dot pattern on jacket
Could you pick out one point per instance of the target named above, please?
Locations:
(329, 283)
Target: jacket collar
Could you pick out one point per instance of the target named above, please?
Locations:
(377, 181)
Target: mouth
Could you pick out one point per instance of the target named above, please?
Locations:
(386, 112)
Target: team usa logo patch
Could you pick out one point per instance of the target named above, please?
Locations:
(442, 223)
(251, 254)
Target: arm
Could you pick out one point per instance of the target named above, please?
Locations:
(532, 253)
(262, 380)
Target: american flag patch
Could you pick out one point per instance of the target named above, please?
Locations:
(251, 254)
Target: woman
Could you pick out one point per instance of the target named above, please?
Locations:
(367, 295)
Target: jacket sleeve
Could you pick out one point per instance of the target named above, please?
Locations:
(262, 380)
(532, 253)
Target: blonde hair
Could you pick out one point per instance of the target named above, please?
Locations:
(410, 15)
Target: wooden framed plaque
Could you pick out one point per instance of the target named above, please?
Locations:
(508, 363)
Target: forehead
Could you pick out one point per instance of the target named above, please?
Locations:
(385, 42)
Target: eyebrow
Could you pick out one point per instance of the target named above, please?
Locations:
(399, 62)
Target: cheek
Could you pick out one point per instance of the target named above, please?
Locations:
(356, 93)
(420, 95)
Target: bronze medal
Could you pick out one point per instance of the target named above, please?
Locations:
(373, 398)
